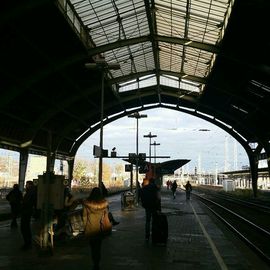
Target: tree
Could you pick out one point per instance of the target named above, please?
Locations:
(106, 173)
(79, 169)
(119, 169)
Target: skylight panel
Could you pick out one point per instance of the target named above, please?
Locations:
(128, 86)
(147, 81)
(169, 81)
(203, 22)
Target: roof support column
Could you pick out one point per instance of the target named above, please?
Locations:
(22, 167)
(151, 17)
(70, 171)
(47, 207)
(254, 162)
(266, 146)
(254, 173)
(52, 162)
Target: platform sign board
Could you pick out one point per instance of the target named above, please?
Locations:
(98, 152)
(128, 167)
(52, 193)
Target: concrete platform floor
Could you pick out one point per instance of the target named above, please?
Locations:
(196, 241)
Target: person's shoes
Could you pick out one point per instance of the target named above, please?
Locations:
(115, 223)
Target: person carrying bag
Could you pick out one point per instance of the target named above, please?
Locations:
(96, 223)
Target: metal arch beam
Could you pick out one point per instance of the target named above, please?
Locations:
(213, 121)
(131, 76)
(188, 77)
(151, 18)
(194, 44)
(147, 92)
(153, 72)
(177, 108)
(107, 121)
(174, 40)
(150, 91)
(205, 109)
(117, 44)
(238, 97)
(51, 112)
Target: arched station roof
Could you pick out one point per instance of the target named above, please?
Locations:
(209, 58)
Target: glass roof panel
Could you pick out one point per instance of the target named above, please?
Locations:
(195, 20)
(191, 29)
(170, 57)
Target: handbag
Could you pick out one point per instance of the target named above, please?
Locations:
(95, 228)
(105, 224)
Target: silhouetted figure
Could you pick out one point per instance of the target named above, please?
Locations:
(150, 197)
(188, 188)
(15, 200)
(28, 207)
(173, 188)
(96, 222)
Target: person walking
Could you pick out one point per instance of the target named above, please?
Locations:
(151, 202)
(28, 207)
(96, 223)
(15, 200)
(173, 188)
(188, 188)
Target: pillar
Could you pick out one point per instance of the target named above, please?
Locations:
(70, 170)
(22, 167)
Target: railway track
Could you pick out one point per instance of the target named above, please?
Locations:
(250, 222)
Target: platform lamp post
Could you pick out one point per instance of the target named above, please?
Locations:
(150, 136)
(104, 67)
(155, 153)
(137, 116)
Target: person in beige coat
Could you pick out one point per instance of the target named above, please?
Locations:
(96, 223)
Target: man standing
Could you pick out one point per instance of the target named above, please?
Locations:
(173, 188)
(15, 200)
(28, 206)
(151, 202)
(188, 188)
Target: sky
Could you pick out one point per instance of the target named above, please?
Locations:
(179, 136)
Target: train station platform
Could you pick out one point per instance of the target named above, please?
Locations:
(196, 241)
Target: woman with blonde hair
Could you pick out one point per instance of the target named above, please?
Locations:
(96, 223)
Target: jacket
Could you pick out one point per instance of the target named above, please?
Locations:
(95, 219)
(150, 197)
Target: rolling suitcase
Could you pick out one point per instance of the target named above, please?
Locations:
(159, 228)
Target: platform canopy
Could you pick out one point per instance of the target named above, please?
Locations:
(208, 58)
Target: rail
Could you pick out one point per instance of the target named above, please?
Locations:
(252, 234)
